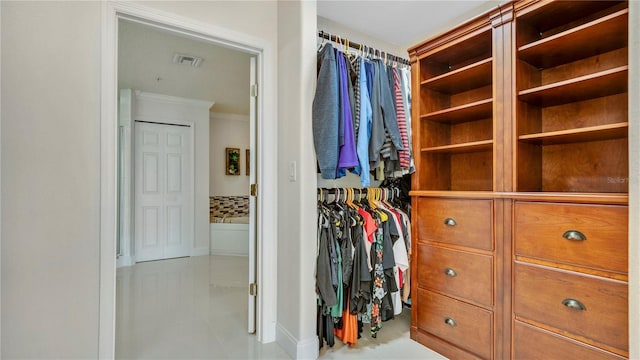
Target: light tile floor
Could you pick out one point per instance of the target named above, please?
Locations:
(196, 308)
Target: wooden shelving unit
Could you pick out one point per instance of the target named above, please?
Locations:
(456, 91)
(580, 63)
(520, 196)
(572, 137)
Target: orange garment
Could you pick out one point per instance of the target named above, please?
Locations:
(349, 332)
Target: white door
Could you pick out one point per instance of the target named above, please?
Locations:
(163, 200)
(252, 199)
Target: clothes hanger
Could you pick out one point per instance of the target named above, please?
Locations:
(322, 42)
(378, 196)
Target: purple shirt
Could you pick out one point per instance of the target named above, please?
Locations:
(348, 157)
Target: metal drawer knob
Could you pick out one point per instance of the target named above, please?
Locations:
(574, 235)
(450, 272)
(449, 321)
(574, 304)
(450, 222)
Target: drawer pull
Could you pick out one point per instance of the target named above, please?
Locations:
(450, 222)
(574, 304)
(450, 272)
(574, 235)
(449, 321)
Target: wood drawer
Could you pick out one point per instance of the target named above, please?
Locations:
(456, 221)
(469, 327)
(534, 343)
(539, 229)
(539, 294)
(455, 272)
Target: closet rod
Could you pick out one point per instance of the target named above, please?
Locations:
(377, 53)
(333, 191)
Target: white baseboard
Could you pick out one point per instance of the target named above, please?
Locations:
(201, 251)
(308, 348)
(297, 349)
(228, 252)
(123, 261)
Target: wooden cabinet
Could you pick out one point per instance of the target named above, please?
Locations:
(454, 268)
(466, 326)
(454, 222)
(534, 343)
(576, 236)
(520, 195)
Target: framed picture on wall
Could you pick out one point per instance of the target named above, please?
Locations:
(233, 161)
(247, 161)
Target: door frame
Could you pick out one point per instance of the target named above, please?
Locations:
(266, 158)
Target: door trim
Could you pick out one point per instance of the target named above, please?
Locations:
(266, 128)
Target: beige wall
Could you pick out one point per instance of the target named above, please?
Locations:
(50, 183)
(296, 199)
(50, 156)
(51, 64)
(227, 131)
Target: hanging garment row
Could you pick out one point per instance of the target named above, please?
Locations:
(362, 273)
(371, 52)
(361, 116)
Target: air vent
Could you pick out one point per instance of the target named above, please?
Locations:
(189, 60)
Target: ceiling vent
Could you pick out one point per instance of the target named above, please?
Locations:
(189, 60)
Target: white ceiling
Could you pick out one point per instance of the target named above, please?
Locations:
(401, 22)
(146, 53)
(146, 63)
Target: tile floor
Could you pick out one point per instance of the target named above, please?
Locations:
(195, 308)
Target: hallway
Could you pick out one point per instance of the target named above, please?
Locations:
(196, 308)
(186, 308)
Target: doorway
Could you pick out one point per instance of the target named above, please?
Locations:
(266, 151)
(175, 78)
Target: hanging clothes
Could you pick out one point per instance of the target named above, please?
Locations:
(348, 157)
(360, 121)
(364, 113)
(362, 257)
(326, 114)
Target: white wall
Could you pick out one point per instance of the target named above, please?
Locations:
(356, 36)
(227, 130)
(0, 186)
(297, 199)
(160, 108)
(252, 17)
(51, 157)
(50, 179)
